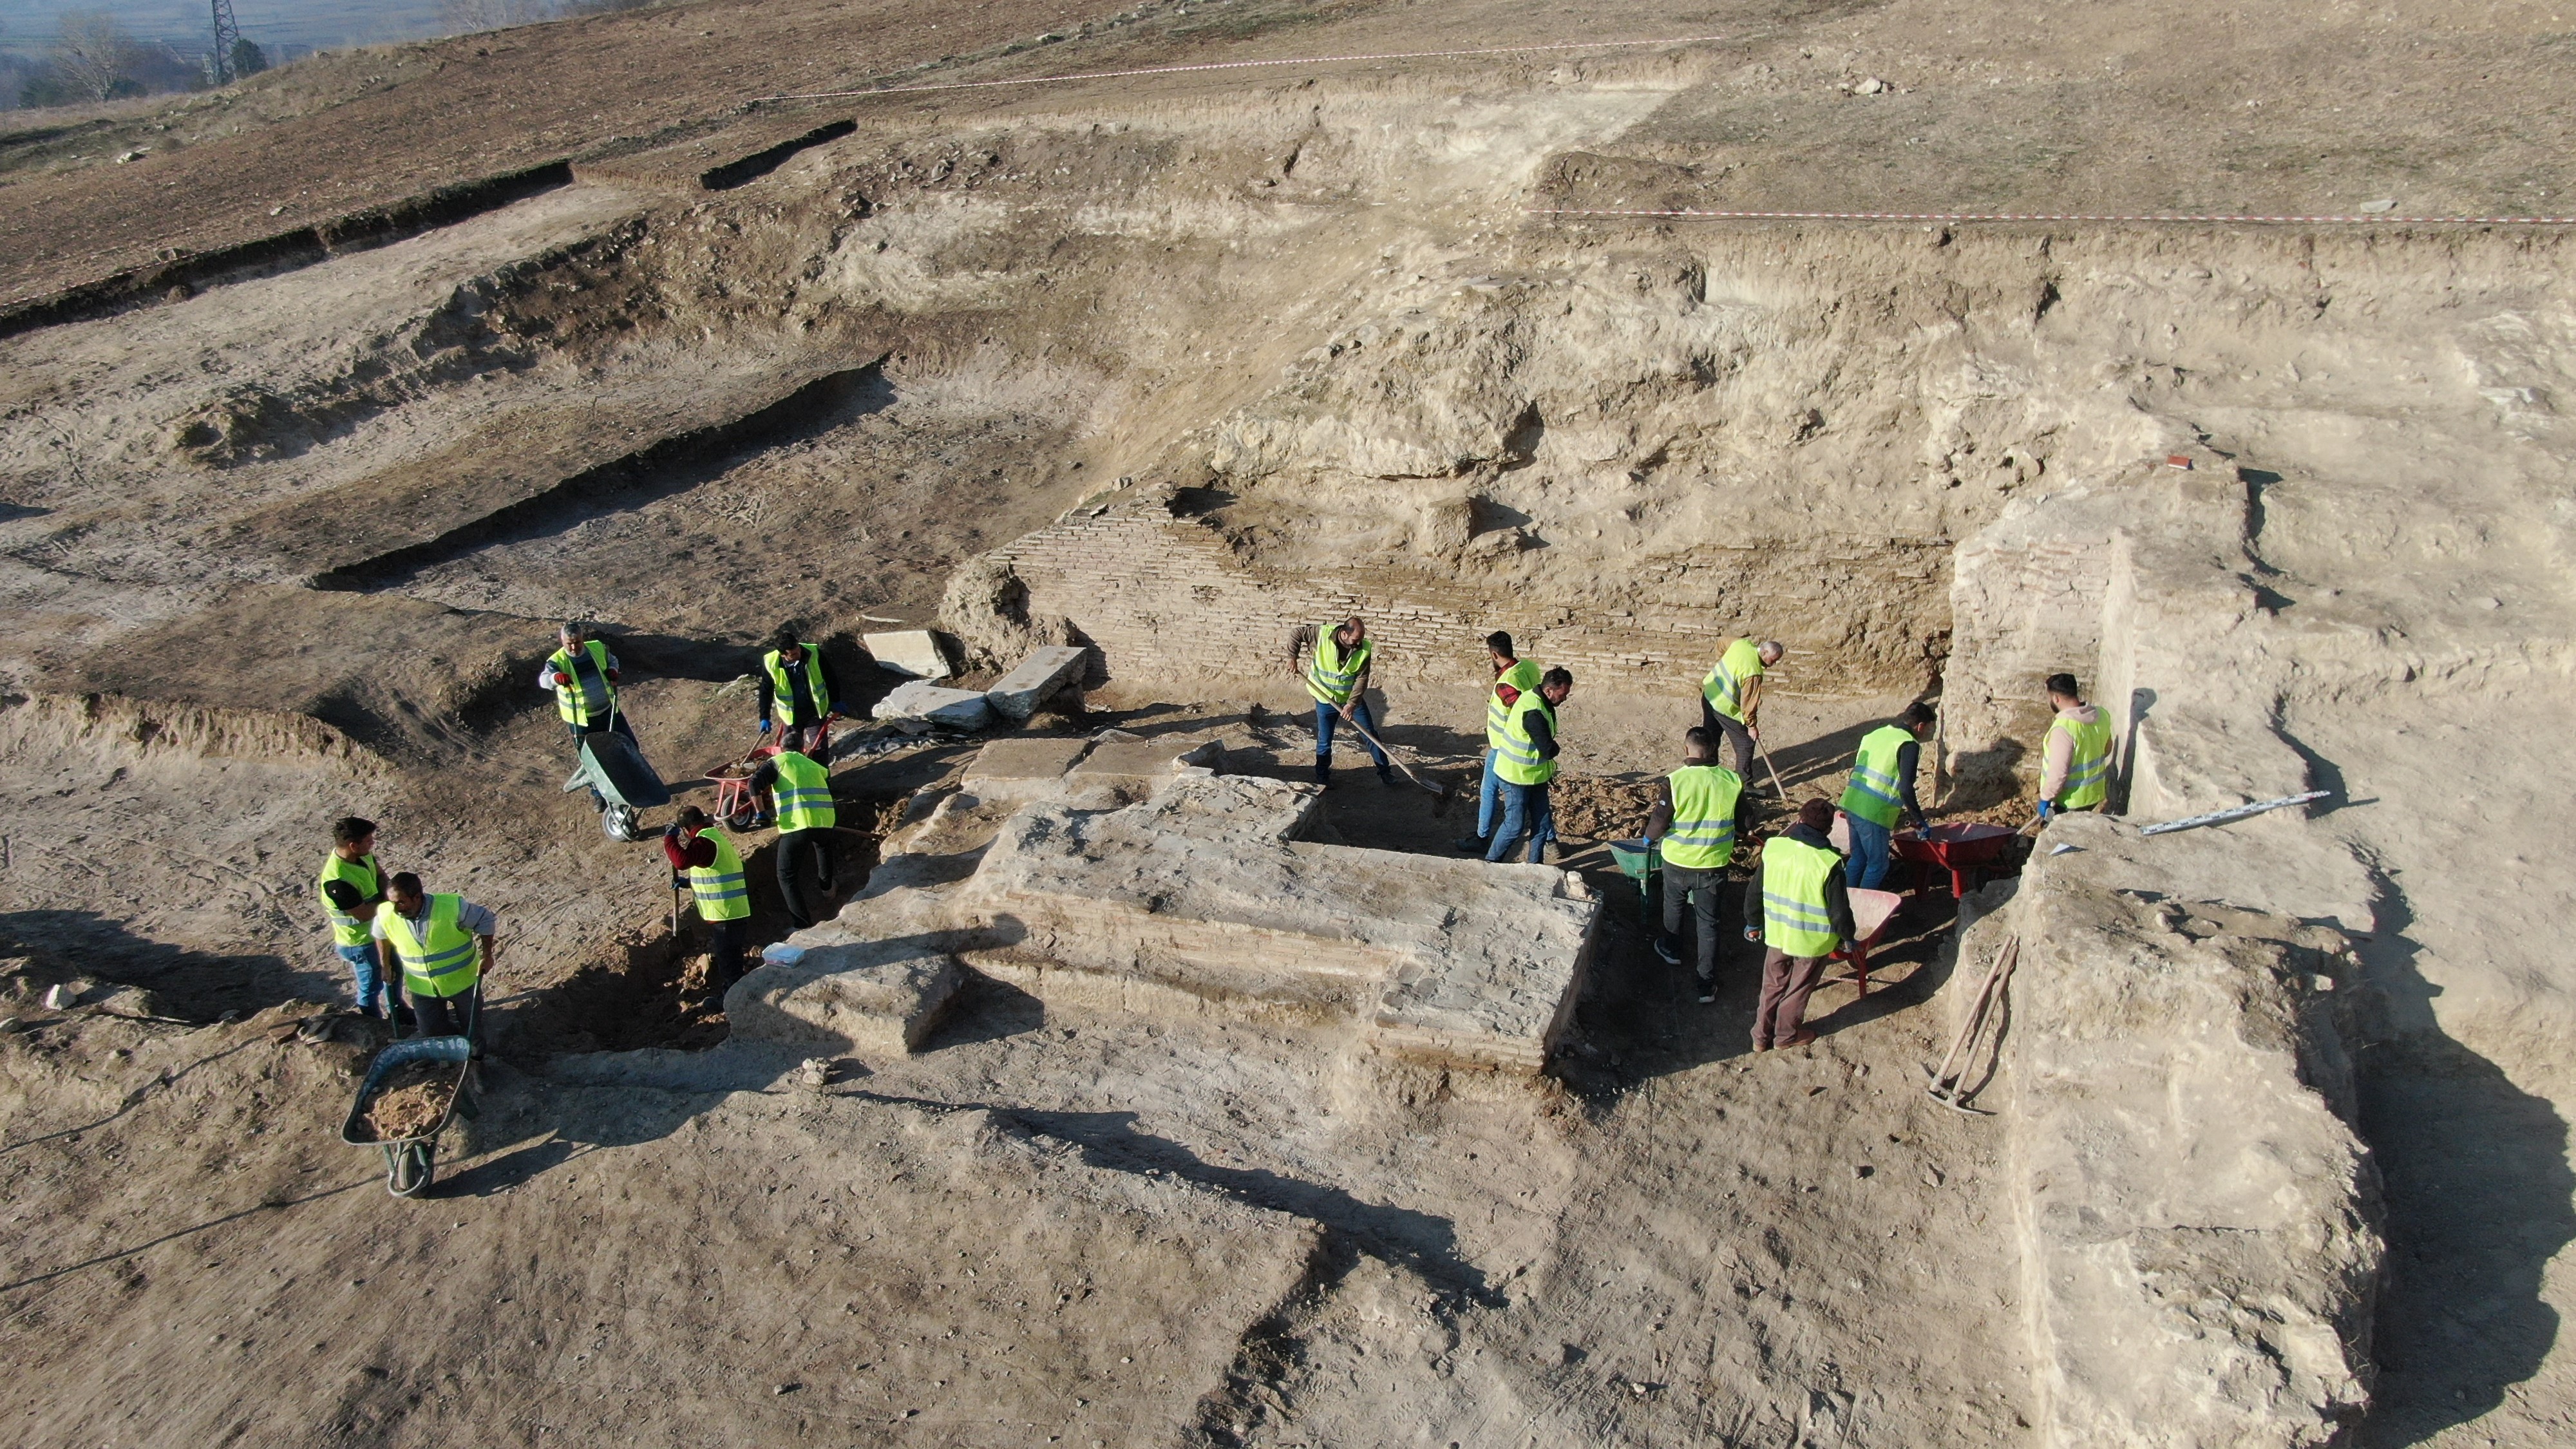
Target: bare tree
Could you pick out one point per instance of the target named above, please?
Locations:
(92, 53)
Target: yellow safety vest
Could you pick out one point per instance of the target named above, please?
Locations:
(1737, 667)
(1875, 794)
(719, 889)
(803, 792)
(1332, 675)
(590, 698)
(444, 964)
(2088, 764)
(346, 929)
(1794, 918)
(1702, 835)
(1516, 758)
(782, 690)
(1521, 676)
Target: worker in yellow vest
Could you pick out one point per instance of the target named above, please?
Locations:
(582, 676)
(2075, 766)
(1693, 825)
(703, 854)
(352, 887)
(1513, 677)
(1527, 762)
(1730, 698)
(1799, 909)
(442, 945)
(800, 792)
(796, 691)
(1337, 675)
(1880, 790)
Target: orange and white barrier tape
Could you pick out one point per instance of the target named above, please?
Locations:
(1041, 80)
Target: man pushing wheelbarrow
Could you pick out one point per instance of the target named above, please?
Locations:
(583, 675)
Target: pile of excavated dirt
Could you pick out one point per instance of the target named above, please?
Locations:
(1170, 365)
(410, 1100)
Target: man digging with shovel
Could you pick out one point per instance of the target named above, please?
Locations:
(1337, 675)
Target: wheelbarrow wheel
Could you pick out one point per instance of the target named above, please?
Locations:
(410, 1167)
(618, 822)
(742, 817)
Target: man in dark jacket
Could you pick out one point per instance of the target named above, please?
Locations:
(1799, 908)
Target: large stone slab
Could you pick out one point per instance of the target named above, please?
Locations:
(830, 986)
(913, 652)
(1018, 694)
(1142, 766)
(1020, 768)
(928, 704)
(1206, 889)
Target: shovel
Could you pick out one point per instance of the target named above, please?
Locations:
(1777, 788)
(1443, 792)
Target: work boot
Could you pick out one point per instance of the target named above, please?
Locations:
(1668, 950)
(1385, 776)
(1470, 844)
(1707, 991)
(1323, 771)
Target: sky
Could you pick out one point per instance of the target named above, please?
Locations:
(27, 26)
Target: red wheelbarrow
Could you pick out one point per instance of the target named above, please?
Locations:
(1871, 911)
(1964, 850)
(737, 808)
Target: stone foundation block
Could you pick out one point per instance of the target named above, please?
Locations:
(928, 704)
(1017, 695)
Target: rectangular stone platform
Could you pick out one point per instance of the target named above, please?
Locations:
(1206, 888)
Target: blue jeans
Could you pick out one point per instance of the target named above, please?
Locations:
(362, 960)
(1489, 800)
(1868, 863)
(1326, 714)
(1525, 812)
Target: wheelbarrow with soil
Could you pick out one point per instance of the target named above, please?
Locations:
(625, 782)
(737, 804)
(412, 1091)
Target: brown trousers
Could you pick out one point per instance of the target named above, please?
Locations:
(1787, 982)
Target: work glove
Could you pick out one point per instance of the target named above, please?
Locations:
(1752, 933)
(2045, 809)
(612, 676)
(840, 708)
(1921, 825)
(562, 679)
(764, 727)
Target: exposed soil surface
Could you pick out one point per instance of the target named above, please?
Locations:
(410, 1100)
(288, 542)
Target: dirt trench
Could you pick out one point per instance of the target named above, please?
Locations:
(1189, 375)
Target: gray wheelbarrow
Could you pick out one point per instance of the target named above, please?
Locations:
(611, 765)
(412, 1161)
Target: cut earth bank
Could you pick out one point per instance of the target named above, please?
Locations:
(1914, 455)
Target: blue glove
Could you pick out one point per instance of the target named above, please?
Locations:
(2043, 809)
(1921, 825)
(764, 727)
(840, 708)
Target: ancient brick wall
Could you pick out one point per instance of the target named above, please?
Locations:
(1163, 595)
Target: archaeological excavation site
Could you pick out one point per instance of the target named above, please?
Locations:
(1054, 1045)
